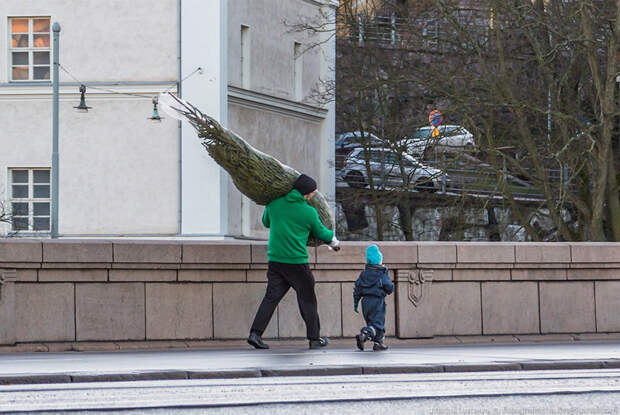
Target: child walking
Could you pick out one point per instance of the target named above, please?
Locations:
(371, 287)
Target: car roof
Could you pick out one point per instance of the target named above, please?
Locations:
(356, 134)
(387, 150)
(447, 125)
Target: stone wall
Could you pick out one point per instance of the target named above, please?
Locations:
(77, 290)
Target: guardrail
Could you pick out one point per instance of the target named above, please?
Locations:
(483, 180)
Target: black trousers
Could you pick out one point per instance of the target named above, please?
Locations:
(281, 277)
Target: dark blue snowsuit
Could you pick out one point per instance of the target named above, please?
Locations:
(371, 287)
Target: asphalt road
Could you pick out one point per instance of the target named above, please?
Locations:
(518, 392)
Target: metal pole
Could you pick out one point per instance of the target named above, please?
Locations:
(360, 28)
(180, 123)
(444, 181)
(56, 30)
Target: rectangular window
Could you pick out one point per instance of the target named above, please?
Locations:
(299, 65)
(30, 48)
(30, 199)
(245, 57)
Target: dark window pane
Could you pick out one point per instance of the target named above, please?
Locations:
(41, 72)
(19, 41)
(20, 224)
(19, 26)
(41, 224)
(41, 41)
(41, 25)
(20, 176)
(392, 158)
(20, 191)
(41, 58)
(41, 191)
(19, 209)
(42, 176)
(41, 209)
(20, 58)
(20, 73)
(422, 134)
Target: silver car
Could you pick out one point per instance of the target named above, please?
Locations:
(346, 142)
(450, 138)
(386, 171)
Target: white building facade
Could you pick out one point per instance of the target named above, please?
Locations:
(123, 174)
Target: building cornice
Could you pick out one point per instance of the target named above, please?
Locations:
(257, 100)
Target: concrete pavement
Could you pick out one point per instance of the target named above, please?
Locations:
(292, 358)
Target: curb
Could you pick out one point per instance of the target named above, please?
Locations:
(308, 371)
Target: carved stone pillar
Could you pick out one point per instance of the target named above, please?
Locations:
(7, 306)
(414, 317)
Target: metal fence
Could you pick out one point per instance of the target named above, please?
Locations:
(428, 31)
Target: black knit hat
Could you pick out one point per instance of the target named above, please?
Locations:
(305, 184)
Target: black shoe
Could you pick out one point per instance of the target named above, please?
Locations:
(317, 344)
(257, 342)
(379, 346)
(361, 338)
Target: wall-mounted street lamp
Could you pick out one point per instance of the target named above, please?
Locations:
(155, 117)
(82, 107)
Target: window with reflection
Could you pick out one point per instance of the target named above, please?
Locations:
(30, 199)
(30, 49)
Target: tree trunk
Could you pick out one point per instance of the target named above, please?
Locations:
(380, 221)
(404, 215)
(599, 179)
(494, 234)
(613, 201)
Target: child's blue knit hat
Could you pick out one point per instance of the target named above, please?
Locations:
(373, 255)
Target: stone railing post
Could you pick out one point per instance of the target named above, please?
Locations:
(7, 306)
(414, 307)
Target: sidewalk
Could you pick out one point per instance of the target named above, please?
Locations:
(292, 358)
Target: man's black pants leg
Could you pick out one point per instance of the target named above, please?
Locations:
(277, 287)
(302, 282)
(280, 277)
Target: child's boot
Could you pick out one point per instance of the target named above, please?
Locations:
(362, 337)
(379, 346)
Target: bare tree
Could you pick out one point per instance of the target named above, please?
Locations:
(546, 83)
(535, 81)
(5, 217)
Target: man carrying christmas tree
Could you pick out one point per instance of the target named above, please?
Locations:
(291, 221)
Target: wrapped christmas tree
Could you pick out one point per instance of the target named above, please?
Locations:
(259, 176)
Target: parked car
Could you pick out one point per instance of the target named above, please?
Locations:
(386, 172)
(348, 141)
(450, 138)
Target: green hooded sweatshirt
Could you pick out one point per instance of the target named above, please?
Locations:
(291, 221)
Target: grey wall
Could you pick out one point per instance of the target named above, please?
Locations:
(272, 39)
(284, 132)
(291, 140)
(71, 290)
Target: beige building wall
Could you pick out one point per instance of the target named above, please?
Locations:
(268, 105)
(292, 140)
(118, 170)
(116, 173)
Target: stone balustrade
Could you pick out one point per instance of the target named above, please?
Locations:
(100, 290)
